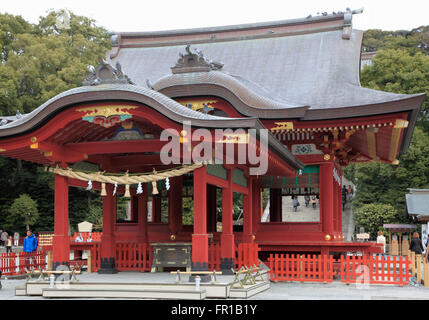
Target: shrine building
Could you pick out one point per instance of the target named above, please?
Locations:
(289, 90)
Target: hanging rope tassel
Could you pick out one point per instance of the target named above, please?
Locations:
(139, 188)
(127, 191)
(154, 188)
(103, 190)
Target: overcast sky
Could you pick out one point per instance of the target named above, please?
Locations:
(150, 15)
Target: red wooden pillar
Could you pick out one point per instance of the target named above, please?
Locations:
(61, 240)
(200, 245)
(108, 250)
(335, 208)
(156, 208)
(227, 237)
(327, 197)
(247, 213)
(275, 205)
(340, 209)
(142, 216)
(211, 208)
(134, 205)
(175, 205)
(256, 204)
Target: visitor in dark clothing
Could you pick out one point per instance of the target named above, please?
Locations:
(416, 245)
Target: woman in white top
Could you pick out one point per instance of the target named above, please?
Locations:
(382, 239)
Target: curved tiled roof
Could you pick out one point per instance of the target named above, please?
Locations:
(252, 96)
(127, 92)
(172, 109)
(306, 69)
(320, 70)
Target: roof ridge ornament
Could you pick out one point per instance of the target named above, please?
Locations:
(105, 73)
(348, 17)
(194, 62)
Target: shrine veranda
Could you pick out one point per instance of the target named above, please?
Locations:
(288, 91)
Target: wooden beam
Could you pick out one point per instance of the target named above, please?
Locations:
(109, 147)
(394, 143)
(371, 142)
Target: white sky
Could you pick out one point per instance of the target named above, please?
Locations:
(150, 15)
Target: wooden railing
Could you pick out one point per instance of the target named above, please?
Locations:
(419, 268)
(350, 269)
(304, 268)
(246, 254)
(375, 270)
(133, 256)
(16, 263)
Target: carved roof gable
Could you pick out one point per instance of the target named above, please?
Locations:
(194, 62)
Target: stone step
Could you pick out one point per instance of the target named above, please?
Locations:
(217, 290)
(249, 290)
(125, 294)
(20, 291)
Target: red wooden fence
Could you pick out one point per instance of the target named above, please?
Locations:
(310, 268)
(8, 263)
(375, 270)
(133, 256)
(351, 269)
(214, 256)
(246, 254)
(96, 256)
(14, 264)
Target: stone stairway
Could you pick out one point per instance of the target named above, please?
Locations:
(223, 288)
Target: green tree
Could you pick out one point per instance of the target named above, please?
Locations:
(23, 212)
(372, 217)
(39, 61)
(386, 183)
(49, 59)
(95, 216)
(396, 70)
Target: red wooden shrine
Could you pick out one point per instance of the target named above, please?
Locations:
(299, 79)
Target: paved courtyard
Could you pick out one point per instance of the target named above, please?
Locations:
(278, 291)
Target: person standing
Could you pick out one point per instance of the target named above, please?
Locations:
(314, 201)
(382, 239)
(16, 239)
(295, 203)
(307, 200)
(9, 245)
(4, 237)
(350, 192)
(416, 245)
(30, 245)
(30, 242)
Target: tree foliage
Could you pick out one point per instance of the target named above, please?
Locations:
(401, 65)
(399, 71)
(372, 216)
(23, 213)
(39, 61)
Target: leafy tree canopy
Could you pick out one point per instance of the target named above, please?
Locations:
(39, 61)
(22, 213)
